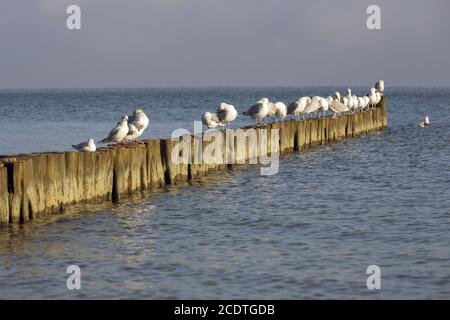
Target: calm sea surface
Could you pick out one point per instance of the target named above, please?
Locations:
(309, 231)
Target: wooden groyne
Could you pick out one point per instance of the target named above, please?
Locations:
(43, 183)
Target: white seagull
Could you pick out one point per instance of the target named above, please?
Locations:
(355, 102)
(425, 123)
(378, 95)
(259, 110)
(211, 120)
(350, 101)
(313, 106)
(338, 107)
(140, 121)
(226, 113)
(330, 100)
(338, 96)
(373, 97)
(361, 103)
(280, 110)
(298, 107)
(272, 109)
(366, 100)
(133, 133)
(324, 105)
(88, 146)
(345, 102)
(119, 132)
(379, 86)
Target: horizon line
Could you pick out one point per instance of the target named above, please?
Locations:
(211, 87)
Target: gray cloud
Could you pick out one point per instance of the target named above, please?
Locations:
(223, 43)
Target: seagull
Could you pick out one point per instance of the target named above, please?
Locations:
(86, 146)
(338, 107)
(366, 100)
(119, 132)
(345, 102)
(379, 86)
(324, 105)
(272, 109)
(355, 102)
(338, 96)
(352, 100)
(211, 120)
(349, 94)
(313, 106)
(139, 120)
(298, 107)
(330, 100)
(259, 110)
(349, 99)
(373, 97)
(133, 133)
(280, 110)
(361, 103)
(425, 123)
(137, 124)
(378, 95)
(226, 113)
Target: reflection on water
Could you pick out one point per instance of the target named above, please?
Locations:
(309, 231)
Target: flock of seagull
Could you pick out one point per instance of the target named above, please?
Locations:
(304, 107)
(127, 130)
(130, 128)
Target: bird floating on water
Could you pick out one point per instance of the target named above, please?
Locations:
(88, 146)
(425, 123)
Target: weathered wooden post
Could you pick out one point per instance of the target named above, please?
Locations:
(240, 146)
(18, 178)
(314, 131)
(171, 169)
(308, 139)
(39, 161)
(155, 168)
(104, 166)
(4, 197)
(138, 168)
(384, 111)
(212, 150)
(121, 173)
(53, 184)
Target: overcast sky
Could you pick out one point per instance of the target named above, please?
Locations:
(157, 43)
